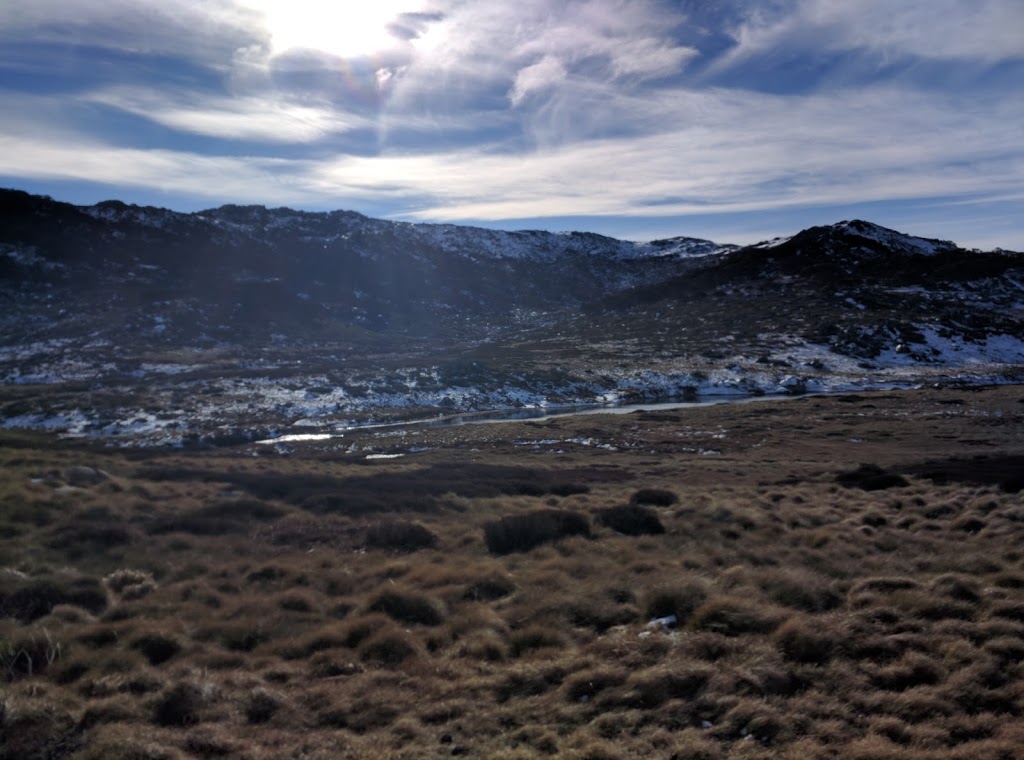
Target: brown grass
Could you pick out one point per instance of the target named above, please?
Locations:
(218, 604)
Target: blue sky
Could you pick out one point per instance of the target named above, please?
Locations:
(735, 120)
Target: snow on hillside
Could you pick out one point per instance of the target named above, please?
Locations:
(468, 242)
(895, 240)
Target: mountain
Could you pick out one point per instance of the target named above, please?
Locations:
(244, 273)
(132, 321)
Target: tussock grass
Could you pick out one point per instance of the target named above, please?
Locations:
(654, 497)
(733, 616)
(251, 614)
(407, 607)
(521, 533)
(400, 536)
(871, 477)
(631, 520)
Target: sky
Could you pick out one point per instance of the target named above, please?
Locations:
(732, 120)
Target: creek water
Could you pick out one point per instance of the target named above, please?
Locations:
(534, 414)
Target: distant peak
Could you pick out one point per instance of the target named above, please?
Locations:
(893, 239)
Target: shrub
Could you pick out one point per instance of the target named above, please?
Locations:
(521, 533)
(655, 497)
(400, 536)
(871, 477)
(407, 608)
(631, 520)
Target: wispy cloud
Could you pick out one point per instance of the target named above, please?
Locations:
(265, 117)
(489, 111)
(981, 30)
(547, 72)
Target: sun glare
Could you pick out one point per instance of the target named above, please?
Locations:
(346, 29)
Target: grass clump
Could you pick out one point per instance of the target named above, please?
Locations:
(407, 607)
(679, 600)
(805, 640)
(568, 489)
(521, 533)
(631, 520)
(655, 497)
(157, 648)
(489, 588)
(583, 686)
(38, 598)
(912, 670)
(532, 639)
(130, 584)
(400, 536)
(26, 653)
(389, 648)
(871, 477)
(735, 617)
(261, 706)
(29, 729)
(179, 706)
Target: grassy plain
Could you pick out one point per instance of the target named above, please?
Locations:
(837, 577)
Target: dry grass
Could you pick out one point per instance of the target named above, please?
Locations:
(319, 606)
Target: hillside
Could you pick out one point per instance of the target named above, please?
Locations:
(220, 322)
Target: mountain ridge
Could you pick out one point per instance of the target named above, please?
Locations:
(249, 316)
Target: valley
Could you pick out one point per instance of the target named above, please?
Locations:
(234, 524)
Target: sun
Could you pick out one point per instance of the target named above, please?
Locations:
(346, 28)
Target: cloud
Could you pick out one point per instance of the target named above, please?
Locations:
(265, 117)
(492, 111)
(245, 179)
(987, 31)
(478, 49)
(717, 151)
(546, 73)
(206, 32)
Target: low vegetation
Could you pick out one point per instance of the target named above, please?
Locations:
(820, 588)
